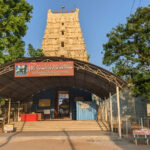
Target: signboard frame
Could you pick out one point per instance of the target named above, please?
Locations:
(8, 127)
(41, 69)
(44, 103)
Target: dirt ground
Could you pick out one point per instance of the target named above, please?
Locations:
(67, 144)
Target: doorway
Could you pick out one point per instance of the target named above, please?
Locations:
(63, 105)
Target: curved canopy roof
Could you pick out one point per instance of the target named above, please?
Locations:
(87, 76)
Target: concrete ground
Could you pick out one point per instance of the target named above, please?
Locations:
(85, 140)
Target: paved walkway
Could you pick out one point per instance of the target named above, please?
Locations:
(56, 133)
(22, 136)
(73, 140)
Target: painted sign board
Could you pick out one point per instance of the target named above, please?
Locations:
(44, 103)
(85, 106)
(8, 128)
(141, 132)
(148, 110)
(46, 111)
(39, 69)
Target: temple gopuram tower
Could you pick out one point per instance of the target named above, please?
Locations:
(63, 36)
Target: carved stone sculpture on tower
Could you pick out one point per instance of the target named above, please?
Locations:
(63, 36)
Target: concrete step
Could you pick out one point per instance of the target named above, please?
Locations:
(61, 126)
(59, 129)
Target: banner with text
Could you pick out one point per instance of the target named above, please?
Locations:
(39, 69)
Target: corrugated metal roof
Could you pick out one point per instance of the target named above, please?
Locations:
(87, 76)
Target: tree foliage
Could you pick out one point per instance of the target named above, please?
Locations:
(14, 14)
(32, 52)
(2, 102)
(128, 51)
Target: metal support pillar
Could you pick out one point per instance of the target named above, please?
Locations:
(98, 111)
(9, 107)
(18, 111)
(103, 110)
(111, 112)
(106, 110)
(118, 107)
(127, 127)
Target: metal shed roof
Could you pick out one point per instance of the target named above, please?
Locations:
(87, 76)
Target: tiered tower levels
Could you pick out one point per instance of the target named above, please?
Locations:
(63, 36)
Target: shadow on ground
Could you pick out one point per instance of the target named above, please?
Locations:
(69, 140)
(9, 138)
(95, 140)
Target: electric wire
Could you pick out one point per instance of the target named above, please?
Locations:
(132, 6)
(140, 1)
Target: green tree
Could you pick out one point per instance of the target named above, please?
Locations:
(32, 52)
(2, 101)
(128, 51)
(89, 56)
(14, 14)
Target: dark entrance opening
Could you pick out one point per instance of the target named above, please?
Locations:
(63, 104)
(58, 103)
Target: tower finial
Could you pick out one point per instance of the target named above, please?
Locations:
(63, 7)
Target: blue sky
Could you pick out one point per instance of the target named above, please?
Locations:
(97, 18)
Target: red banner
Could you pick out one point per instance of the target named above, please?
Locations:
(40, 69)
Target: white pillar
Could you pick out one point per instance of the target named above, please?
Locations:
(9, 106)
(18, 111)
(103, 111)
(118, 106)
(98, 111)
(126, 126)
(111, 112)
(106, 111)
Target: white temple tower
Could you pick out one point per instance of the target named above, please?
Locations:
(63, 36)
